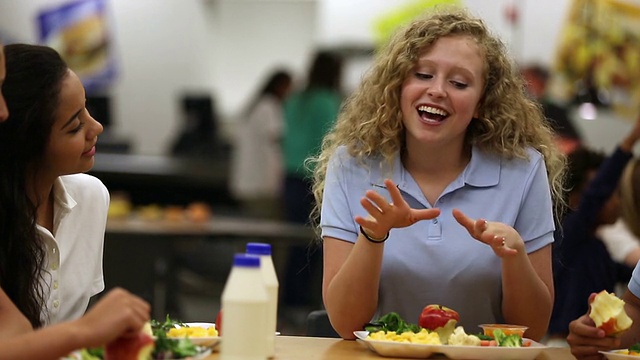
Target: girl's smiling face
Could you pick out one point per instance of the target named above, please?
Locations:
(440, 96)
(74, 134)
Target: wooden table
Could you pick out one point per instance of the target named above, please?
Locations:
(298, 347)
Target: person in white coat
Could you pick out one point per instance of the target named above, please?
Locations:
(256, 176)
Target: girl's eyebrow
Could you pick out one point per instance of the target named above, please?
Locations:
(73, 117)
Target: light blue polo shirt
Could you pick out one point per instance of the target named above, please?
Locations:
(437, 261)
(634, 283)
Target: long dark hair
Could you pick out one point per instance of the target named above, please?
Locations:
(272, 86)
(31, 90)
(325, 71)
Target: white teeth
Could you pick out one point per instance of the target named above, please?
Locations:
(432, 110)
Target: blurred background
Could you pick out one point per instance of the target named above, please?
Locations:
(162, 50)
(162, 75)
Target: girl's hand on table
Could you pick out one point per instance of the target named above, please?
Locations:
(503, 240)
(384, 216)
(586, 339)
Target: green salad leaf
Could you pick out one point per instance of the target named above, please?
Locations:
(392, 322)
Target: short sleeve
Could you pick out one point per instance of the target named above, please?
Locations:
(634, 283)
(336, 219)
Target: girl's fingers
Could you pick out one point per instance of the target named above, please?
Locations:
(377, 199)
(463, 220)
(372, 209)
(396, 196)
(425, 214)
(368, 223)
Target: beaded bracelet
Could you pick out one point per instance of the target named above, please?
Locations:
(376, 241)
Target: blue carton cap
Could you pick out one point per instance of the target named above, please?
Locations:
(258, 248)
(246, 260)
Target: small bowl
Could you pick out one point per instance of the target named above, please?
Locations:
(506, 329)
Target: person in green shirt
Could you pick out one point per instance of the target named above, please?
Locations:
(309, 114)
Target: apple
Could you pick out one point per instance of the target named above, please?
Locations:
(435, 316)
(607, 312)
(440, 319)
(219, 322)
(138, 347)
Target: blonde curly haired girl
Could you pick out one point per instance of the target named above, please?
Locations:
(439, 124)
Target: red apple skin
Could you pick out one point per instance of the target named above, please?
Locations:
(219, 322)
(138, 347)
(435, 316)
(609, 327)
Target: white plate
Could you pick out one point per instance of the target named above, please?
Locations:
(209, 341)
(423, 351)
(202, 353)
(615, 355)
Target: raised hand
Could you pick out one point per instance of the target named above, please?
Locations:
(503, 239)
(384, 216)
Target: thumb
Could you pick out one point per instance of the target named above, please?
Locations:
(463, 220)
(425, 214)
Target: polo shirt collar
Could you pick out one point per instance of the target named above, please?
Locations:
(62, 197)
(482, 171)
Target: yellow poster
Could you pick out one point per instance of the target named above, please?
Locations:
(599, 49)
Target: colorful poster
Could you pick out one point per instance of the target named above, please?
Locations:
(78, 31)
(599, 54)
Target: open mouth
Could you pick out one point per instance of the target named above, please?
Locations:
(430, 113)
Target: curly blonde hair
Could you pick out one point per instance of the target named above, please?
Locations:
(370, 123)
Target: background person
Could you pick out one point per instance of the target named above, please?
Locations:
(257, 172)
(586, 340)
(441, 113)
(623, 237)
(582, 264)
(309, 113)
(567, 136)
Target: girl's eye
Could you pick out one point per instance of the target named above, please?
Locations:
(77, 128)
(423, 76)
(459, 85)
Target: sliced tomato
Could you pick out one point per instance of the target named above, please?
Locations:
(488, 343)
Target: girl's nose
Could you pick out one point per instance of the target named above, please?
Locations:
(436, 89)
(96, 128)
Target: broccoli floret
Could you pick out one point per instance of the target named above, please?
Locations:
(498, 335)
(507, 340)
(511, 341)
